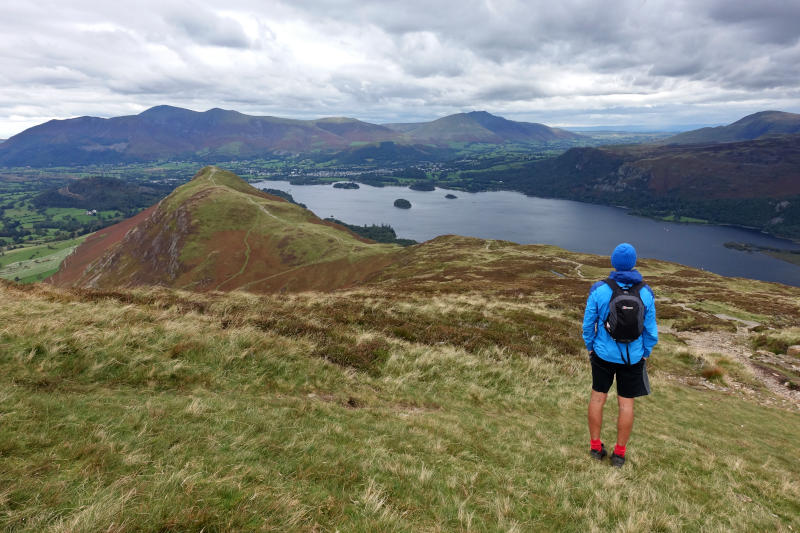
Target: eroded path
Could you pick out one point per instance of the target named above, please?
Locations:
(736, 347)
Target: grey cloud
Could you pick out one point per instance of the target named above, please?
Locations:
(771, 21)
(160, 85)
(510, 92)
(203, 26)
(678, 67)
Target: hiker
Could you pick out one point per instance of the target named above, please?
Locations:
(620, 331)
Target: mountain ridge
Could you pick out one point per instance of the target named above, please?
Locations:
(165, 132)
(747, 128)
(219, 233)
(480, 126)
(747, 183)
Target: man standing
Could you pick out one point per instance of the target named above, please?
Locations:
(620, 331)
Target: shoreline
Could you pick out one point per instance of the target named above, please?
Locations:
(700, 222)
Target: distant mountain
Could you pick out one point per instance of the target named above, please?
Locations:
(219, 233)
(480, 127)
(762, 168)
(746, 129)
(166, 132)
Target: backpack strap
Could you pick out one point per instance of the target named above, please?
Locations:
(615, 288)
(636, 288)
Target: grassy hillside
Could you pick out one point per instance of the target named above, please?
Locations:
(219, 233)
(450, 395)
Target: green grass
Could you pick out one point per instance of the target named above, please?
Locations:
(777, 341)
(165, 411)
(35, 263)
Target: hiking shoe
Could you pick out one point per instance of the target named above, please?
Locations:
(599, 455)
(617, 460)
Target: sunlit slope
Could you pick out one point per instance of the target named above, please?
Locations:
(219, 233)
(447, 394)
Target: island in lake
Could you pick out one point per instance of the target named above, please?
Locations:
(346, 185)
(450, 196)
(402, 203)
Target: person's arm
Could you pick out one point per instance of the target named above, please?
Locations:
(590, 322)
(650, 333)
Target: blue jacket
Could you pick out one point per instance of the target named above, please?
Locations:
(595, 335)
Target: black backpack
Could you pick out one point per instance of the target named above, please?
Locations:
(625, 320)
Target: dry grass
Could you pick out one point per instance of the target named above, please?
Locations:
(440, 398)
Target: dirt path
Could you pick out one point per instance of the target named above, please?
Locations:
(264, 210)
(576, 266)
(735, 346)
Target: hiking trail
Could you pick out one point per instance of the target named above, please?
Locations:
(734, 346)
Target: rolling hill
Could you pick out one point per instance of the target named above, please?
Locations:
(745, 129)
(480, 127)
(166, 132)
(219, 233)
(101, 193)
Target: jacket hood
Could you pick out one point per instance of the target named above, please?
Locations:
(630, 277)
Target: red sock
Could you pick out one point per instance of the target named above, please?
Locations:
(619, 450)
(596, 444)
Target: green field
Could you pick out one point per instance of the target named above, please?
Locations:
(34, 263)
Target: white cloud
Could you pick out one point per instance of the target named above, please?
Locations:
(568, 62)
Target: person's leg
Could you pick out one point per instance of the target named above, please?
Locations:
(602, 378)
(624, 421)
(596, 404)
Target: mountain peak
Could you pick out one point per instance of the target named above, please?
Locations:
(217, 232)
(218, 111)
(164, 110)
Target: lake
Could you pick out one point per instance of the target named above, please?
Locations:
(524, 219)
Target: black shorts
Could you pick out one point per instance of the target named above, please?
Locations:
(631, 379)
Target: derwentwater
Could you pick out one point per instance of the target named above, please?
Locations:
(524, 219)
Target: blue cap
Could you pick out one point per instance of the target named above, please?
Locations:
(624, 257)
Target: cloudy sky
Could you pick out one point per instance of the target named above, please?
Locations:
(564, 62)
